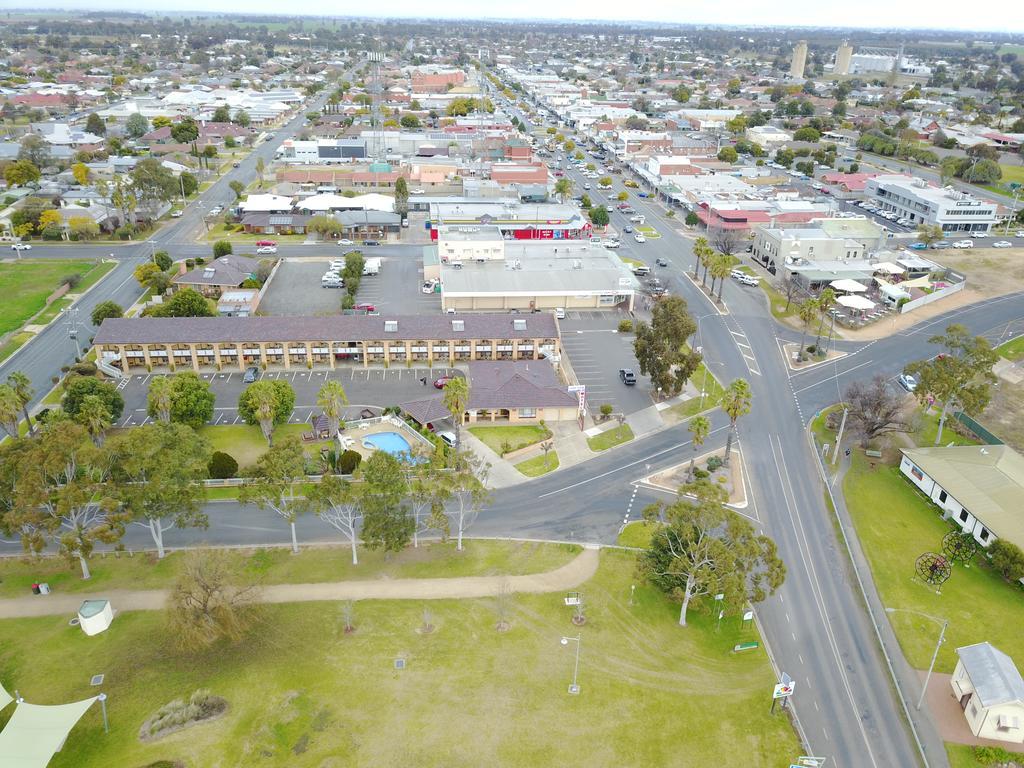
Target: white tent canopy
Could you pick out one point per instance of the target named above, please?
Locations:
(889, 268)
(892, 291)
(36, 732)
(5, 697)
(847, 286)
(856, 302)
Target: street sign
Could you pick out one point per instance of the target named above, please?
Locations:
(782, 691)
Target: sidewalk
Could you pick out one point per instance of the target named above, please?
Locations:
(569, 576)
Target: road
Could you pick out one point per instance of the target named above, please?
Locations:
(42, 357)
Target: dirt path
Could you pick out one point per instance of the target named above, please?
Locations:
(570, 575)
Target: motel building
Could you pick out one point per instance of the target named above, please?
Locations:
(205, 344)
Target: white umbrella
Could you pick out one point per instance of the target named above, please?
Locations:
(847, 286)
(855, 302)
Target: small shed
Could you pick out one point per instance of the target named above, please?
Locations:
(95, 616)
(991, 693)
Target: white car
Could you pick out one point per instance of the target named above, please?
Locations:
(586, 186)
(907, 381)
(1020, 233)
(266, 249)
(417, 192)
(980, 234)
(639, 237)
(1002, 244)
(345, 241)
(21, 247)
(176, 214)
(963, 244)
(612, 244)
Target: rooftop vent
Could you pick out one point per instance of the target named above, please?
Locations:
(390, 326)
(208, 272)
(519, 325)
(458, 325)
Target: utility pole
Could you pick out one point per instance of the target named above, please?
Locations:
(839, 437)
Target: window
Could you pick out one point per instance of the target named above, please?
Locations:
(942, 496)
(984, 534)
(527, 413)
(963, 515)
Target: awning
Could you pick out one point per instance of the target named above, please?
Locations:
(889, 268)
(892, 291)
(36, 732)
(847, 286)
(856, 302)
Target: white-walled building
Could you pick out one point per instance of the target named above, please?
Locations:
(914, 199)
(990, 691)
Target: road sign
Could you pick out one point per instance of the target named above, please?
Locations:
(782, 691)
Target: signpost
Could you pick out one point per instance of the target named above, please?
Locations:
(783, 690)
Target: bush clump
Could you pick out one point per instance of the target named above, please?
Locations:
(625, 326)
(348, 461)
(179, 714)
(223, 465)
(715, 463)
(1007, 558)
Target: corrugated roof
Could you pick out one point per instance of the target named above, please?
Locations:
(988, 480)
(993, 674)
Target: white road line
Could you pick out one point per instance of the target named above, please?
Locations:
(832, 378)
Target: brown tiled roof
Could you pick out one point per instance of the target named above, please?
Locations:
(171, 330)
(227, 270)
(517, 384)
(427, 410)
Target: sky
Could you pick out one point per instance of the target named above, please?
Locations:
(881, 14)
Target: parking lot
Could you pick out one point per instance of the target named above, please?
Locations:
(596, 352)
(296, 289)
(374, 388)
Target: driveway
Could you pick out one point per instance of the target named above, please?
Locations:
(296, 290)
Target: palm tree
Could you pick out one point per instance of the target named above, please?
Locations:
(264, 404)
(22, 387)
(94, 416)
(736, 402)
(563, 188)
(699, 428)
(721, 267)
(806, 310)
(10, 409)
(159, 399)
(700, 247)
(332, 400)
(456, 400)
(826, 300)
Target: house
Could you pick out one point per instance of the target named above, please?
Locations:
(266, 204)
(218, 276)
(241, 302)
(979, 487)
(275, 223)
(991, 693)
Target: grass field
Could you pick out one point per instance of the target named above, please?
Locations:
(925, 434)
(610, 438)
(777, 302)
(279, 566)
(636, 534)
(702, 379)
(303, 693)
(246, 442)
(13, 344)
(1012, 173)
(895, 525)
(961, 756)
(515, 436)
(25, 285)
(1013, 349)
(539, 465)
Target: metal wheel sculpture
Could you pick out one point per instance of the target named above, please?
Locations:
(933, 568)
(959, 547)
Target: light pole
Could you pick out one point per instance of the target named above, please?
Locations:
(574, 688)
(103, 704)
(942, 638)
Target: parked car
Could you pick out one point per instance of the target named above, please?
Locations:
(745, 279)
(427, 287)
(417, 192)
(907, 381)
(963, 244)
(21, 247)
(1002, 244)
(918, 247)
(627, 376)
(345, 241)
(370, 243)
(251, 374)
(1020, 233)
(560, 313)
(661, 262)
(176, 214)
(448, 437)
(331, 281)
(266, 249)
(981, 235)
(365, 307)
(612, 243)
(234, 164)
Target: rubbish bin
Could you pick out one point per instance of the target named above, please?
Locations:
(35, 589)
(44, 589)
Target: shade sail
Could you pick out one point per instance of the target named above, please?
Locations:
(889, 268)
(5, 697)
(36, 732)
(847, 285)
(856, 302)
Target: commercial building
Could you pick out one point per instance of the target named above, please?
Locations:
(921, 203)
(843, 56)
(321, 151)
(799, 61)
(515, 220)
(233, 343)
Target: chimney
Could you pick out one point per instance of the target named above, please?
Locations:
(181, 267)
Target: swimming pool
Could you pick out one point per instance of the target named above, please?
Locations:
(389, 442)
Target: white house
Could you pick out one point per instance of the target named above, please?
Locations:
(991, 693)
(979, 487)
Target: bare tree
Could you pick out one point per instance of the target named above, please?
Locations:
(467, 486)
(503, 606)
(209, 602)
(790, 287)
(336, 502)
(726, 241)
(874, 409)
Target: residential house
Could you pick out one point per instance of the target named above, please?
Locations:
(218, 276)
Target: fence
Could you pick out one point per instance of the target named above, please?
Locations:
(977, 428)
(935, 296)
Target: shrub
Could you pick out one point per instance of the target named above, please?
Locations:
(123, 233)
(625, 326)
(162, 260)
(71, 280)
(180, 713)
(85, 368)
(701, 474)
(52, 232)
(606, 410)
(692, 220)
(221, 248)
(190, 263)
(811, 349)
(348, 461)
(992, 755)
(223, 465)
(715, 463)
(1007, 558)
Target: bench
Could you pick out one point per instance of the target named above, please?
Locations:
(873, 454)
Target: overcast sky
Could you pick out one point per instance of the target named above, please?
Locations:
(881, 14)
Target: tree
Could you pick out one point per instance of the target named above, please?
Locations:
(661, 346)
(62, 496)
(23, 390)
(185, 131)
(323, 225)
(105, 309)
(387, 524)
(21, 173)
(466, 484)
(806, 310)
(221, 114)
(705, 549)
(191, 401)
(721, 268)
(150, 276)
(159, 469)
(221, 248)
(273, 484)
(260, 166)
(161, 121)
(599, 216)
(94, 416)
(94, 124)
(188, 183)
(83, 227)
(152, 182)
(237, 187)
(163, 260)
(929, 234)
(84, 386)
(158, 399)
(873, 409)
(563, 188)
(429, 491)
(80, 171)
(728, 155)
(681, 94)
(455, 397)
(959, 377)
(401, 197)
(826, 301)
(209, 601)
(700, 428)
(136, 126)
(1008, 559)
(605, 181)
(267, 404)
(735, 402)
(336, 501)
(410, 121)
(807, 133)
(187, 302)
(332, 401)
(125, 198)
(35, 150)
(10, 410)
(242, 118)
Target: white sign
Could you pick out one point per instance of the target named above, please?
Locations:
(783, 690)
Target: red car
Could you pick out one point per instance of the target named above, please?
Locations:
(365, 307)
(559, 174)
(622, 206)
(441, 382)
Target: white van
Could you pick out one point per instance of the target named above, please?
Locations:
(331, 281)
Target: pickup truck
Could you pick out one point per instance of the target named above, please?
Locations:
(627, 376)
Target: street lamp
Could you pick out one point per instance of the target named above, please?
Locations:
(942, 638)
(574, 688)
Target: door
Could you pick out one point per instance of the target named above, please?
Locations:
(964, 699)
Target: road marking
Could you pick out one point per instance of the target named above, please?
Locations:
(832, 378)
(816, 706)
(787, 617)
(829, 738)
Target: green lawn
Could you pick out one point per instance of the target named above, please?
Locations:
(702, 379)
(246, 442)
(221, 231)
(506, 438)
(818, 428)
(94, 275)
(962, 756)
(1013, 349)
(51, 311)
(777, 302)
(648, 231)
(303, 693)
(13, 344)
(636, 534)
(1012, 173)
(539, 465)
(25, 285)
(895, 525)
(926, 433)
(610, 438)
(279, 566)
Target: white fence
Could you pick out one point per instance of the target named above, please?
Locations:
(942, 293)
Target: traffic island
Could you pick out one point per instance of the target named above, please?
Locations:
(791, 350)
(707, 466)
